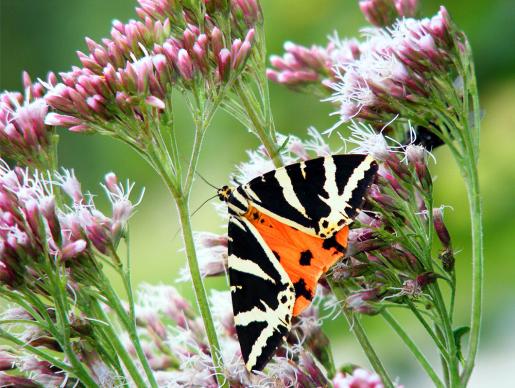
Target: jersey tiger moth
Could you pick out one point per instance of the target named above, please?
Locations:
(286, 229)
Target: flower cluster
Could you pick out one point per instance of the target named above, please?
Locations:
(30, 372)
(400, 70)
(242, 14)
(358, 378)
(174, 340)
(396, 71)
(128, 78)
(384, 262)
(382, 13)
(312, 69)
(24, 136)
(34, 229)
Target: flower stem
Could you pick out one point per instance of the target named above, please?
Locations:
(200, 291)
(61, 311)
(471, 136)
(361, 336)
(446, 326)
(265, 137)
(476, 216)
(413, 348)
(121, 351)
(41, 354)
(129, 325)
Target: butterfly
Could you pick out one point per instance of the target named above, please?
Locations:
(286, 228)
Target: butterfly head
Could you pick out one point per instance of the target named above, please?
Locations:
(224, 193)
(235, 199)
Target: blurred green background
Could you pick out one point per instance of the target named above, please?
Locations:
(42, 35)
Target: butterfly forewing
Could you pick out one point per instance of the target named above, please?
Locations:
(318, 196)
(262, 294)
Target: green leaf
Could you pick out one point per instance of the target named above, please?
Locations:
(283, 145)
(458, 334)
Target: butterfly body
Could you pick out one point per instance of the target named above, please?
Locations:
(286, 229)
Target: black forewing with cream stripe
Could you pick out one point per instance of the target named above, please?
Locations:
(262, 294)
(318, 196)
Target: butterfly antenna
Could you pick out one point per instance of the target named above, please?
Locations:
(207, 182)
(192, 214)
(203, 203)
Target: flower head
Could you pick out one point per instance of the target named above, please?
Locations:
(400, 67)
(383, 13)
(358, 378)
(32, 227)
(131, 76)
(311, 69)
(24, 136)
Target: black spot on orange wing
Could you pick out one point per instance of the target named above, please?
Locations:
(293, 245)
(305, 258)
(302, 290)
(333, 243)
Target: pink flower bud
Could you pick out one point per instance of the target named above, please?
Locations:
(272, 75)
(380, 13)
(358, 378)
(7, 361)
(440, 228)
(383, 199)
(155, 102)
(189, 38)
(224, 63)
(241, 55)
(359, 302)
(426, 278)
(111, 182)
(406, 8)
(27, 82)
(48, 210)
(56, 119)
(82, 128)
(73, 249)
(216, 41)
(185, 65)
(33, 216)
(416, 156)
(92, 45)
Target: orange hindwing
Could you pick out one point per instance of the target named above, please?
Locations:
(304, 257)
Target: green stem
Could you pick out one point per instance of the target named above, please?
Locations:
(477, 267)
(469, 169)
(41, 354)
(182, 199)
(367, 347)
(436, 340)
(413, 348)
(121, 351)
(61, 311)
(448, 334)
(200, 291)
(130, 325)
(259, 127)
(443, 360)
(361, 336)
